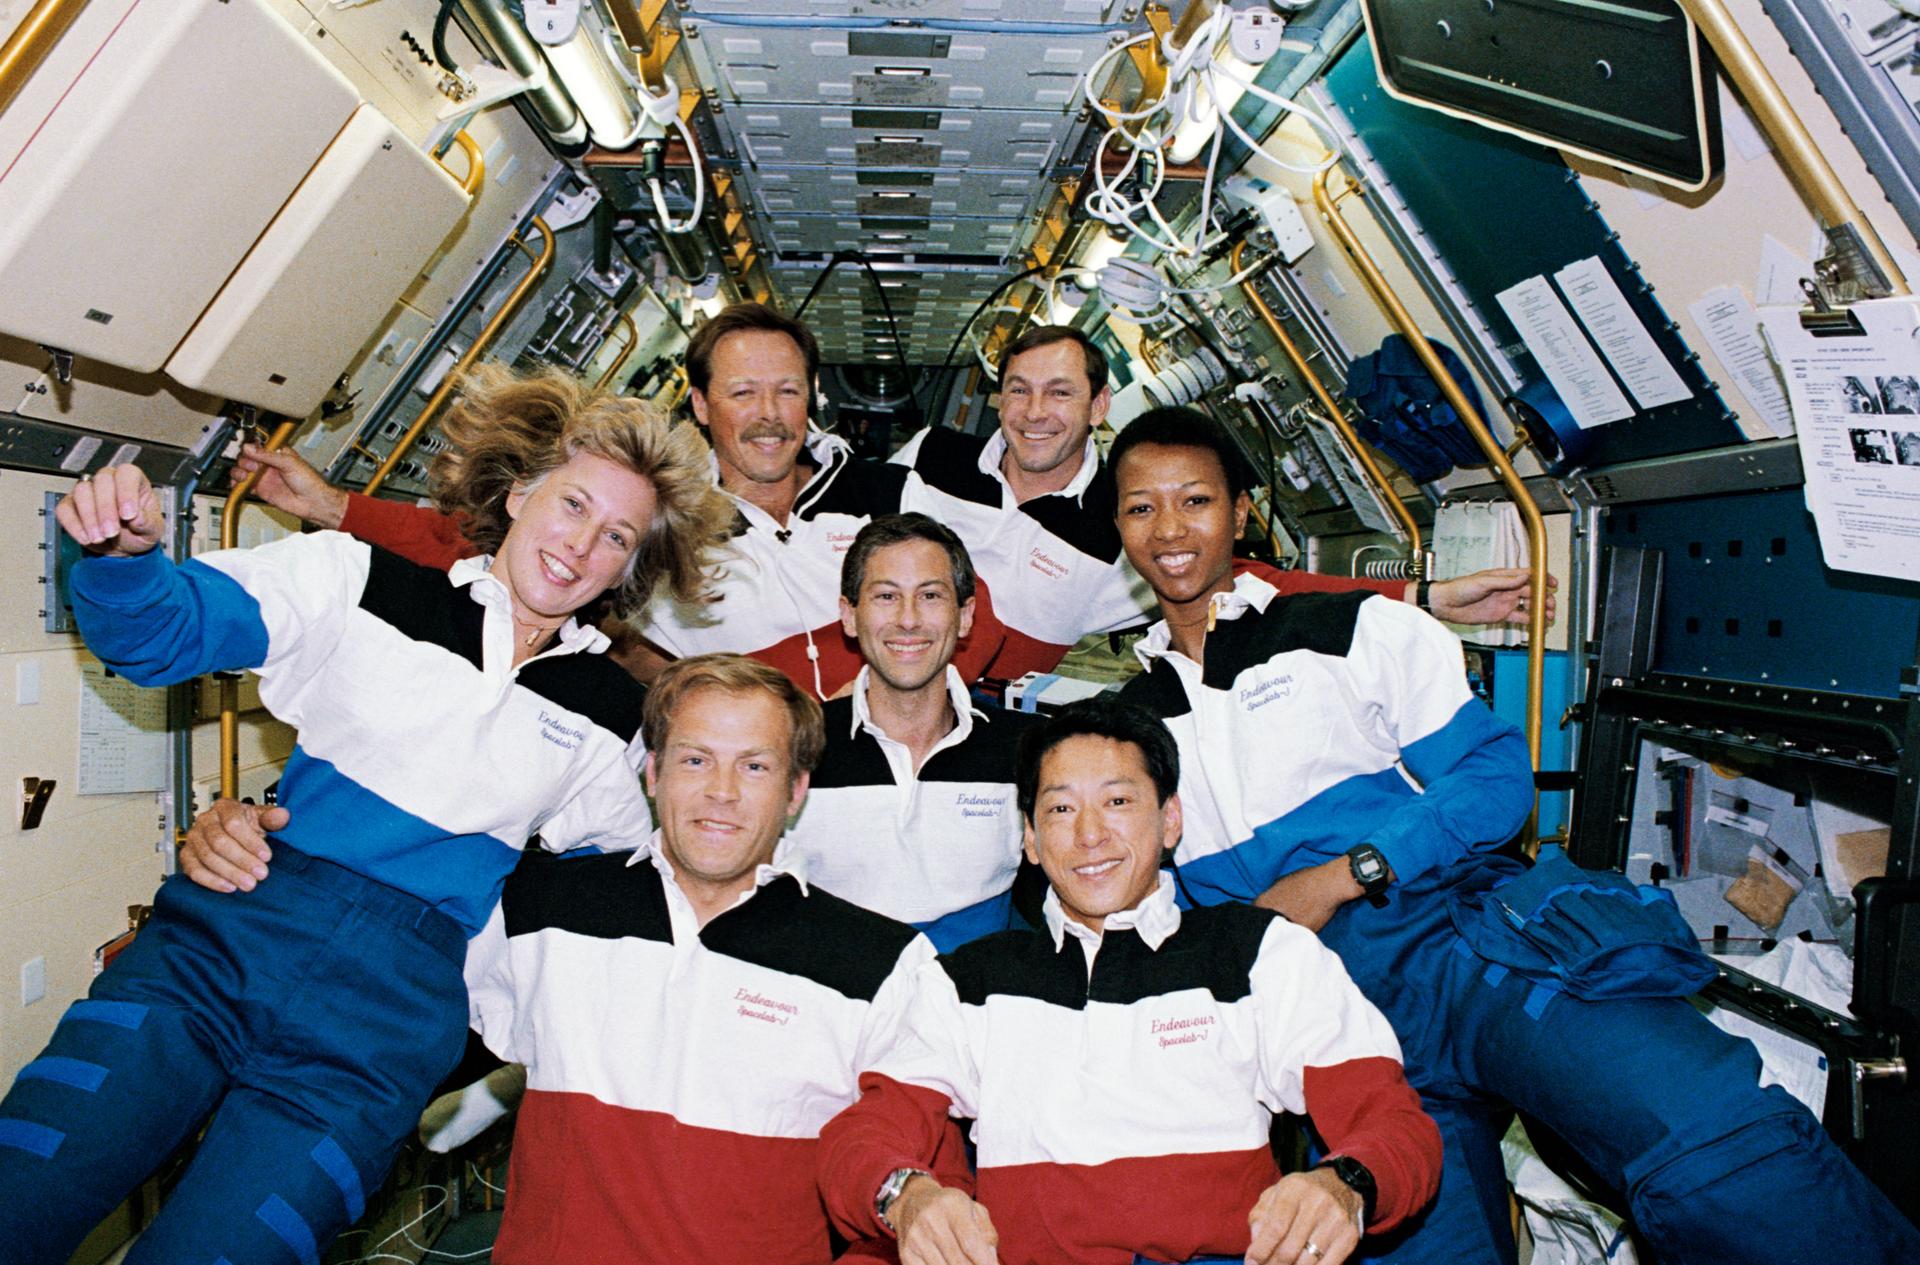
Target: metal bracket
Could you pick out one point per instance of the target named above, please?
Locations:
(1846, 274)
(62, 364)
(1864, 1070)
(35, 794)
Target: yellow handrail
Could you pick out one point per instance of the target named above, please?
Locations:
(541, 262)
(30, 43)
(476, 163)
(230, 684)
(613, 366)
(1370, 469)
(1402, 320)
(1803, 160)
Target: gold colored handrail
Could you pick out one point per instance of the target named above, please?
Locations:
(1402, 320)
(541, 263)
(30, 43)
(230, 684)
(613, 366)
(1370, 468)
(476, 163)
(1802, 158)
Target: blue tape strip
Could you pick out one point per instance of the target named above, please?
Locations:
(121, 1014)
(1494, 973)
(34, 1139)
(291, 1227)
(1461, 947)
(1538, 1000)
(75, 1072)
(334, 1163)
(1030, 698)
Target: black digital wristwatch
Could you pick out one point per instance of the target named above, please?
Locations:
(1371, 871)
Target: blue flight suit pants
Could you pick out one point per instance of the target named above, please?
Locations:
(1666, 1108)
(312, 1017)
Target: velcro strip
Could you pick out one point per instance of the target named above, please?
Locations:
(291, 1227)
(34, 1139)
(334, 1163)
(75, 1072)
(121, 1014)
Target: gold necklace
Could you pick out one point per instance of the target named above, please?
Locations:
(534, 636)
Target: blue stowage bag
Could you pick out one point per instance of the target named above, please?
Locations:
(1406, 415)
(1592, 934)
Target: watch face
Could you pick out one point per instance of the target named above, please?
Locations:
(1369, 866)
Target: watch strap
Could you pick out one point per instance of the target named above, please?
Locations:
(889, 1193)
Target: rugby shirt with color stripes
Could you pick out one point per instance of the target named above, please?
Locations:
(1053, 561)
(777, 594)
(937, 848)
(424, 758)
(1123, 1083)
(1319, 722)
(678, 1075)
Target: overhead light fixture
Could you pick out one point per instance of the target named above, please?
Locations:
(890, 237)
(903, 72)
(897, 140)
(892, 193)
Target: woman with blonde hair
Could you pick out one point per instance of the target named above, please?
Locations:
(443, 717)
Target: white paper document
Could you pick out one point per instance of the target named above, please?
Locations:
(1622, 337)
(1780, 273)
(1732, 330)
(1565, 356)
(123, 734)
(1856, 403)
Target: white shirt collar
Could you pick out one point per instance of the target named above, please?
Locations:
(1249, 592)
(1153, 919)
(491, 592)
(997, 448)
(787, 860)
(963, 709)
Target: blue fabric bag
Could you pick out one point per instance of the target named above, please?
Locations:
(1590, 933)
(1407, 417)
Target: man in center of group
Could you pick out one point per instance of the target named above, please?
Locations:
(1037, 515)
(912, 807)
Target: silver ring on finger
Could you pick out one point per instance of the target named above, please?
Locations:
(1313, 1250)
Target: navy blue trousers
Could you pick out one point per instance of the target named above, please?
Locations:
(311, 1017)
(1666, 1108)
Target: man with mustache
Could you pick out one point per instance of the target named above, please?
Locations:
(800, 498)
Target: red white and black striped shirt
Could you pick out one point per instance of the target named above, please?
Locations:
(1123, 1083)
(678, 1074)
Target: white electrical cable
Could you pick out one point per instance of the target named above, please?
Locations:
(1191, 71)
(662, 110)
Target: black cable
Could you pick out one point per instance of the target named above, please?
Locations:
(440, 53)
(946, 362)
(839, 257)
(886, 305)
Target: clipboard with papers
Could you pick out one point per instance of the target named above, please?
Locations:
(1854, 388)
